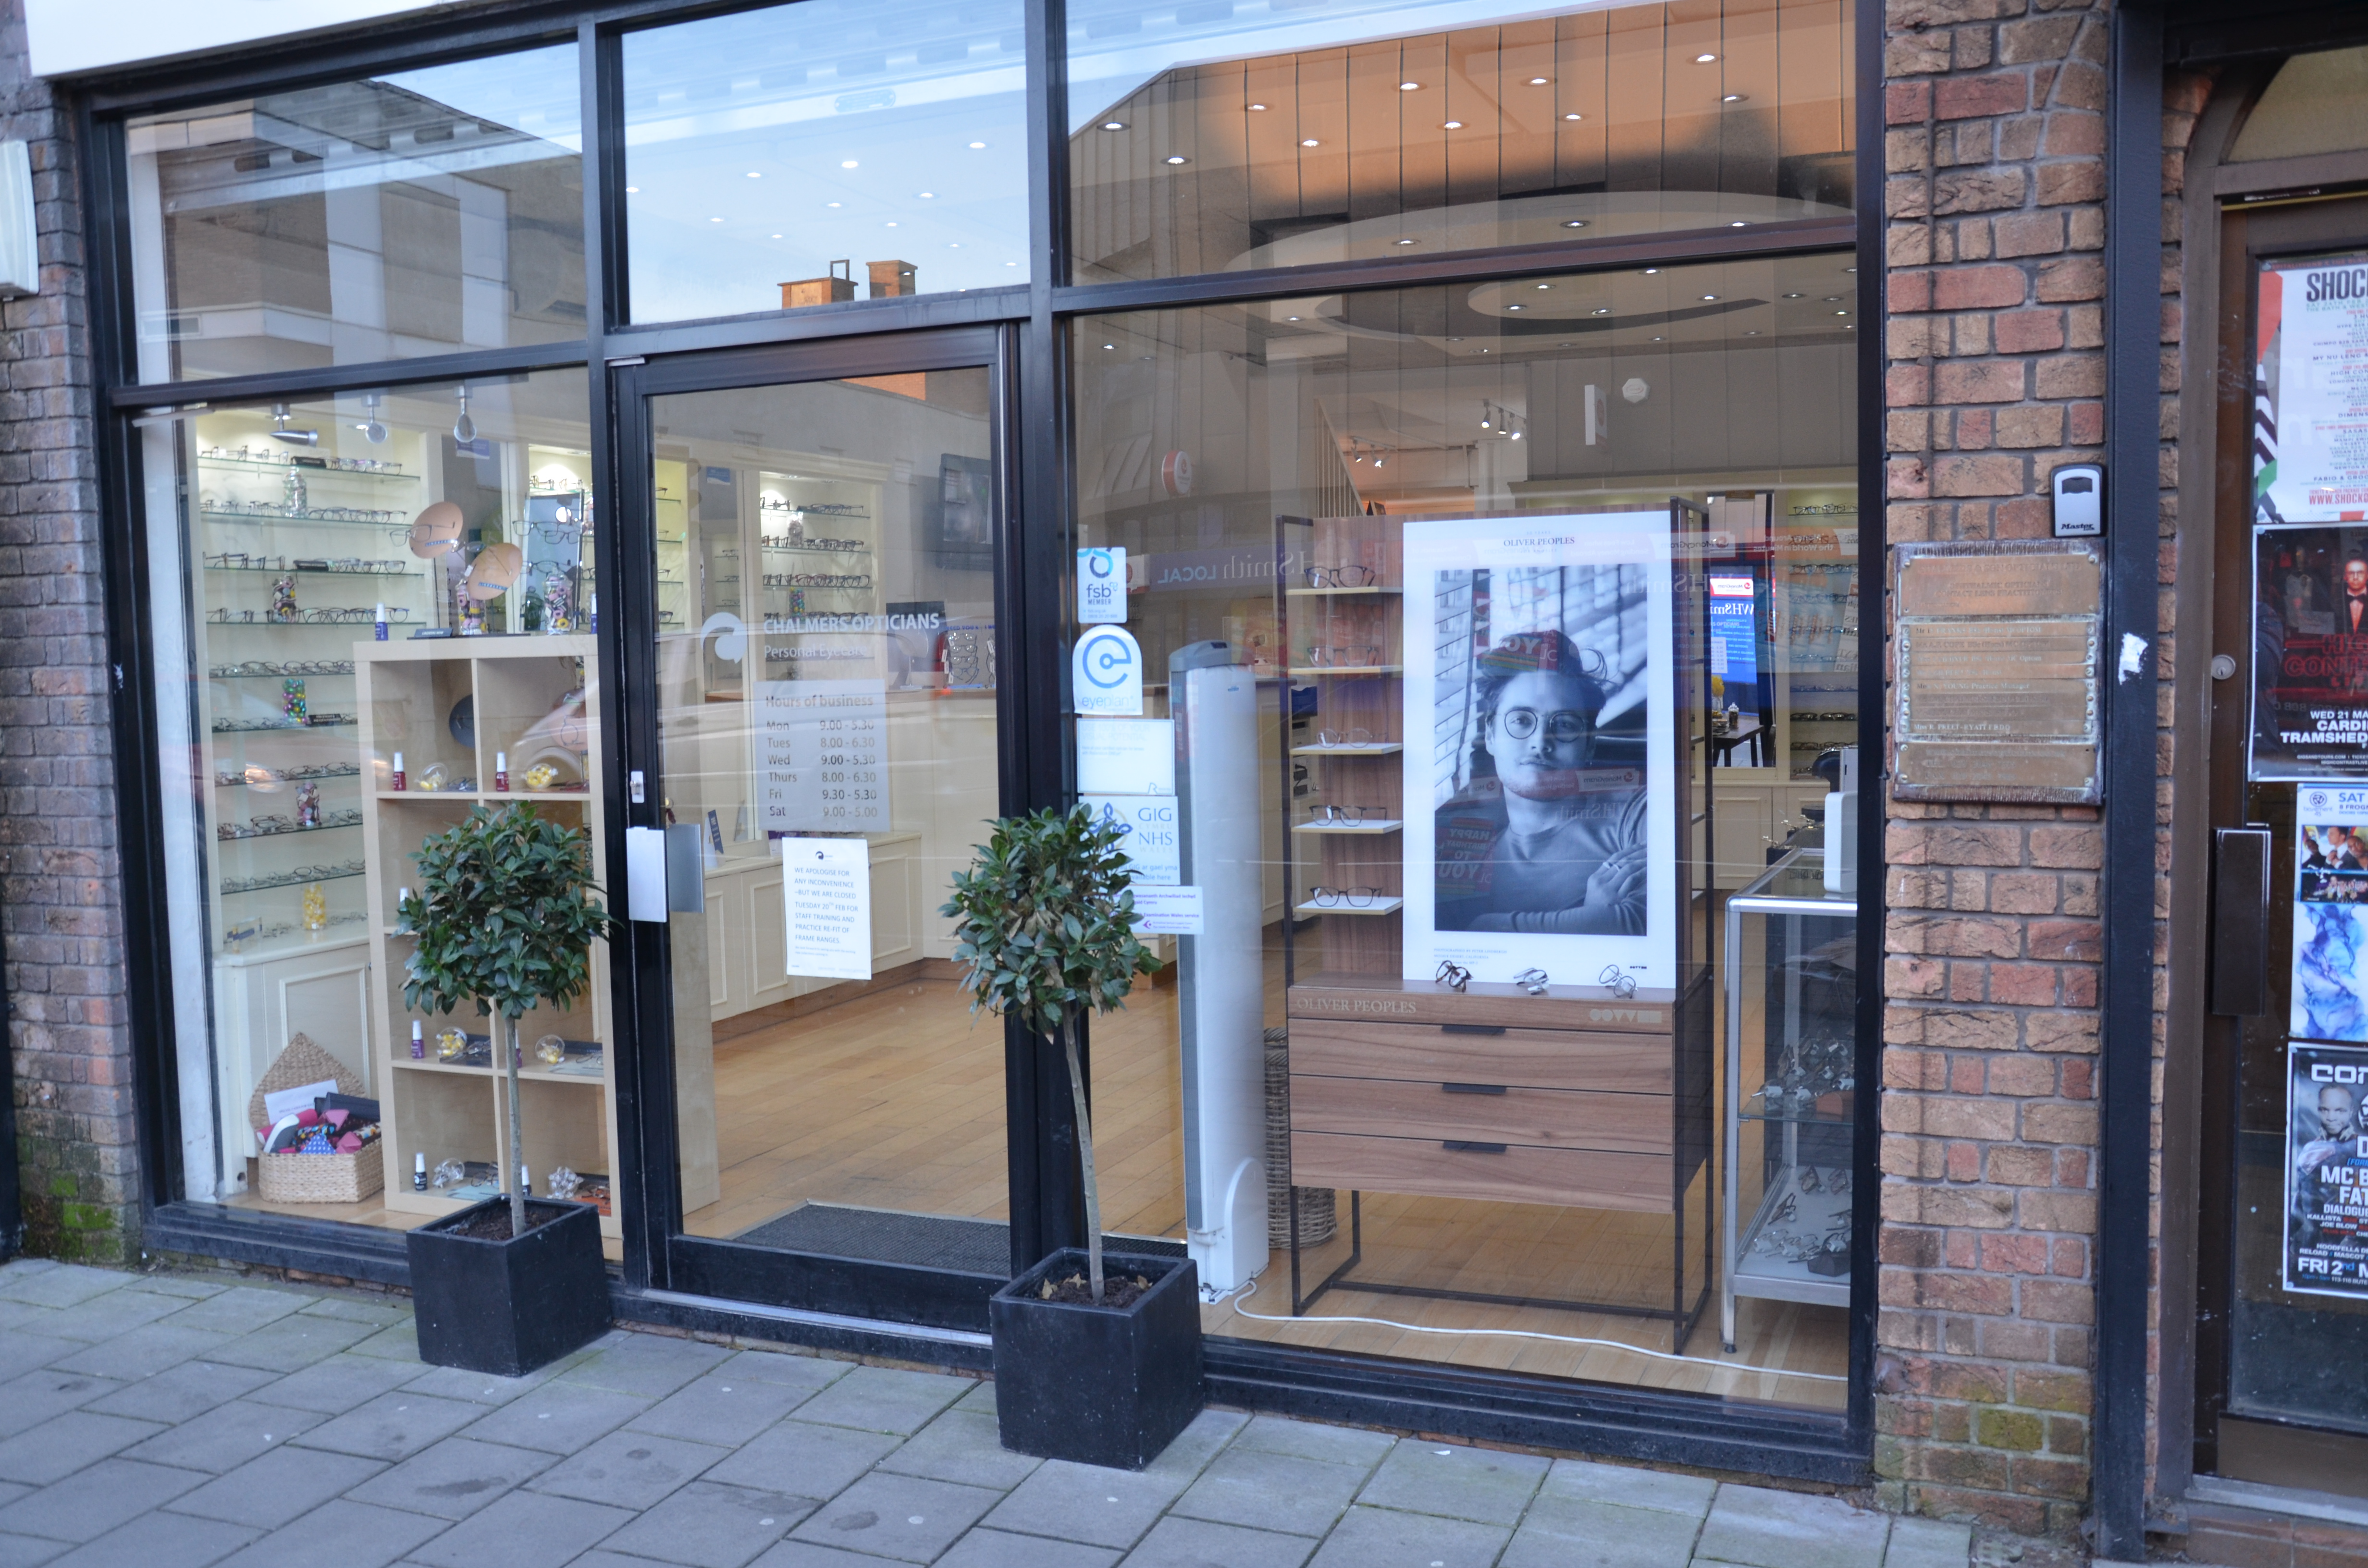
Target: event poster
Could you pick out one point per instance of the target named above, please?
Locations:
(2310, 407)
(2310, 651)
(1540, 777)
(2330, 914)
(2326, 1250)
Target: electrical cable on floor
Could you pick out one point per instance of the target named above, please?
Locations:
(1246, 1291)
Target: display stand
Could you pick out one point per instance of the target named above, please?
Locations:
(1792, 991)
(1576, 1097)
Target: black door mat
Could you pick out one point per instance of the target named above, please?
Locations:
(926, 1241)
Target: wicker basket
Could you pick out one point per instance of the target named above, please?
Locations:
(313, 1179)
(1317, 1215)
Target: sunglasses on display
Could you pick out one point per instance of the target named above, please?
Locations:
(1349, 814)
(1454, 976)
(1343, 898)
(1533, 981)
(1341, 576)
(1621, 983)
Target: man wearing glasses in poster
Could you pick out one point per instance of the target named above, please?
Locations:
(1563, 850)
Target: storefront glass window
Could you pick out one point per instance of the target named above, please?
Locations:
(419, 212)
(1498, 648)
(1204, 139)
(827, 151)
(370, 611)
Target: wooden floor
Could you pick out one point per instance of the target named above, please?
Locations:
(894, 1099)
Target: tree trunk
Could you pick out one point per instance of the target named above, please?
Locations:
(512, 1178)
(1086, 1157)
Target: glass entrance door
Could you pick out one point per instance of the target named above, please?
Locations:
(826, 757)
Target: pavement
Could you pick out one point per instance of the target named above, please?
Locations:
(180, 1421)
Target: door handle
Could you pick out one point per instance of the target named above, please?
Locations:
(2240, 921)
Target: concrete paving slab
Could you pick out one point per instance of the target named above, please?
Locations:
(1586, 1533)
(995, 1548)
(558, 1417)
(1273, 1491)
(117, 1311)
(962, 1446)
(633, 1470)
(1385, 1537)
(182, 1392)
(1631, 1486)
(882, 1399)
(709, 1525)
(277, 1487)
(366, 1536)
(649, 1366)
(393, 1426)
(160, 1540)
(780, 1367)
(721, 1407)
(143, 1352)
(524, 1529)
(478, 1387)
(29, 1552)
(226, 1436)
(241, 1310)
(94, 1500)
(1193, 1543)
(1313, 1440)
(59, 1285)
(1930, 1543)
(903, 1517)
(361, 1309)
(453, 1479)
(292, 1344)
(1455, 1483)
(1085, 1503)
(396, 1342)
(188, 1285)
(67, 1442)
(1758, 1526)
(339, 1383)
(803, 1461)
(26, 1401)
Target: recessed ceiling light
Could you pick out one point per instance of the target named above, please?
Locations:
(1738, 224)
(1537, 80)
(928, 195)
(1753, 333)
(1833, 299)
(1311, 142)
(1710, 296)
(1544, 287)
(847, 163)
(1486, 351)
(1114, 125)
(1732, 98)
(1850, 326)
(1603, 310)
(754, 174)
(1260, 107)
(1651, 271)
(1454, 340)
(955, 246)
(1290, 318)
(1109, 346)
(1513, 307)
(633, 190)
(1451, 125)
(1010, 264)
(715, 219)
(777, 237)
(1656, 340)
(1574, 116)
(1406, 242)
(1178, 158)
(892, 222)
(1796, 296)
(831, 204)
(1704, 58)
(1850, 269)
(1841, 313)
(1573, 223)
(1409, 86)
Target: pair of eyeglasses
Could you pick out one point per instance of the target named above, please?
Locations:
(1562, 726)
(1349, 813)
(1623, 984)
(1350, 898)
(1533, 981)
(1344, 737)
(1341, 576)
(1342, 655)
(1452, 975)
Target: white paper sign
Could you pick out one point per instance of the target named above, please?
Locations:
(1101, 586)
(1126, 757)
(1167, 912)
(2312, 376)
(827, 906)
(1154, 847)
(822, 755)
(1108, 666)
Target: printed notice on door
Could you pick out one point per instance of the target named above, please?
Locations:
(2327, 1171)
(2310, 403)
(822, 755)
(826, 891)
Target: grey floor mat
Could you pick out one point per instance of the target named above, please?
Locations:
(929, 1240)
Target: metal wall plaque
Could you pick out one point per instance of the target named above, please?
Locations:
(1998, 667)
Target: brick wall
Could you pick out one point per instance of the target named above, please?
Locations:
(1995, 374)
(61, 917)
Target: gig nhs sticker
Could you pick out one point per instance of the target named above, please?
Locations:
(1101, 586)
(1108, 673)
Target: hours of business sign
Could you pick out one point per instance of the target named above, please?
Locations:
(1997, 685)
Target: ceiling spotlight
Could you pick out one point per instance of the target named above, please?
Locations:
(755, 174)
(1738, 224)
(1311, 142)
(1651, 271)
(1409, 86)
(1178, 158)
(1537, 80)
(1850, 269)
(1704, 58)
(1290, 318)
(1754, 333)
(1514, 435)
(847, 163)
(831, 204)
(715, 219)
(976, 145)
(1573, 223)
(1109, 346)
(1833, 299)
(1114, 125)
(1485, 351)
(465, 429)
(928, 195)
(1841, 313)
(633, 190)
(1732, 98)
(1544, 287)
(1454, 125)
(1406, 242)
(372, 431)
(1513, 307)
(1656, 340)
(280, 431)
(1796, 296)
(1483, 418)
(892, 222)
(1710, 296)
(1603, 310)
(1574, 116)
(777, 237)
(1260, 107)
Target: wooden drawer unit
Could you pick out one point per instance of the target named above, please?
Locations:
(1484, 1054)
(1509, 1172)
(1489, 1113)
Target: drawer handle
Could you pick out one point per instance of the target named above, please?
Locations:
(1472, 1029)
(1457, 1146)
(1473, 1088)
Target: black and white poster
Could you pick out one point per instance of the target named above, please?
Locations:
(1540, 783)
(2327, 1171)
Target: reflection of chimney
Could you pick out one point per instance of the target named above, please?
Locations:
(891, 279)
(839, 285)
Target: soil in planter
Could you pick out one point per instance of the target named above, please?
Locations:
(1077, 1290)
(494, 1225)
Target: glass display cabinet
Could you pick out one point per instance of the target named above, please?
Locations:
(1792, 990)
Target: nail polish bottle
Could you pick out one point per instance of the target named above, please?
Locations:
(502, 772)
(378, 628)
(418, 1161)
(397, 781)
(418, 1043)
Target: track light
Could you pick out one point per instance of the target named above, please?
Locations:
(372, 431)
(280, 431)
(465, 429)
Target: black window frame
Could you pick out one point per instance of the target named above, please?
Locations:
(1033, 323)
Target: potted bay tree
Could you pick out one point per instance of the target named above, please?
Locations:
(504, 918)
(1097, 1359)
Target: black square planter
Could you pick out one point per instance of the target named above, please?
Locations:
(507, 1306)
(1095, 1384)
